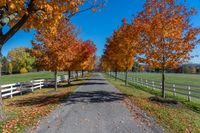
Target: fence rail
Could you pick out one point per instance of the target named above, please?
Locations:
(9, 90)
(181, 89)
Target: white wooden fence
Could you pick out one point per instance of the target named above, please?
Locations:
(12, 89)
(185, 90)
(9, 90)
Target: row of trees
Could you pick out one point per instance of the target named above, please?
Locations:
(37, 14)
(159, 36)
(63, 51)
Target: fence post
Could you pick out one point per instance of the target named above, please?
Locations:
(11, 91)
(141, 82)
(40, 84)
(174, 89)
(160, 85)
(21, 91)
(189, 93)
(153, 85)
(32, 86)
(147, 84)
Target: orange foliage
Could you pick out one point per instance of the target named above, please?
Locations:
(63, 51)
(85, 56)
(55, 52)
(40, 13)
(166, 36)
(120, 49)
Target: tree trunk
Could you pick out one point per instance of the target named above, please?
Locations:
(82, 73)
(76, 74)
(116, 75)
(56, 83)
(2, 113)
(126, 77)
(163, 82)
(1, 66)
(69, 77)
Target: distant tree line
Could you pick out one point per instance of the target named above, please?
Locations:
(185, 68)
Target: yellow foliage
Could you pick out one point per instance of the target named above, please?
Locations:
(23, 70)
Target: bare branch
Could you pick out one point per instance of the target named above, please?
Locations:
(99, 5)
(81, 11)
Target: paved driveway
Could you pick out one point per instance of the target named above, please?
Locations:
(95, 107)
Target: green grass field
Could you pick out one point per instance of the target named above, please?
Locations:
(180, 119)
(8, 79)
(190, 79)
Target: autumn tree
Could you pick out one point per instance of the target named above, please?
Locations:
(84, 56)
(166, 35)
(72, 55)
(89, 54)
(110, 61)
(122, 48)
(51, 50)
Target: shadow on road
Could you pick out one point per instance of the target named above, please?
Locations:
(41, 100)
(92, 79)
(76, 97)
(86, 83)
(73, 98)
(95, 79)
(94, 97)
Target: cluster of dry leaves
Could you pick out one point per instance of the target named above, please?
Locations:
(25, 111)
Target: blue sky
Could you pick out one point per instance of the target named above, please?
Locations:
(100, 25)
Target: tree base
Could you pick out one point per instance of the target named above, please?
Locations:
(165, 101)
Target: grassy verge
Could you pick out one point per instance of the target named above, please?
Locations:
(25, 111)
(8, 79)
(179, 119)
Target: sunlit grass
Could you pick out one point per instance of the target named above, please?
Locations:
(14, 78)
(184, 118)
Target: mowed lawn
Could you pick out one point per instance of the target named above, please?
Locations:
(188, 79)
(184, 118)
(14, 78)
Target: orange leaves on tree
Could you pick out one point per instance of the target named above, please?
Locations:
(52, 50)
(85, 58)
(41, 13)
(165, 34)
(63, 51)
(120, 49)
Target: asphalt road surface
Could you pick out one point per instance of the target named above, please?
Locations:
(95, 107)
